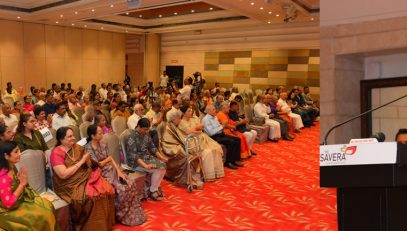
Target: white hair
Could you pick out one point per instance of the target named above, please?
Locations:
(172, 114)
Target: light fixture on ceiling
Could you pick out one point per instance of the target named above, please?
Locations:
(56, 22)
(127, 13)
(160, 16)
(290, 13)
(277, 15)
(270, 12)
(85, 26)
(73, 24)
(93, 10)
(76, 12)
(269, 22)
(112, 5)
(18, 17)
(252, 3)
(261, 8)
(312, 19)
(211, 8)
(61, 16)
(127, 31)
(192, 11)
(102, 28)
(175, 13)
(140, 16)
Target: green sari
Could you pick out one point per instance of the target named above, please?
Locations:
(29, 212)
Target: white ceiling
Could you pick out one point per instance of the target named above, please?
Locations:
(110, 15)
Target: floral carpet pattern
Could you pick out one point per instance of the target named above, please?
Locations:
(276, 190)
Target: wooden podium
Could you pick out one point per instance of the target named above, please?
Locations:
(371, 182)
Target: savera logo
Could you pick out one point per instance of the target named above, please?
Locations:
(348, 150)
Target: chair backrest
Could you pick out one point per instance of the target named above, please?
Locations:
(52, 142)
(119, 124)
(248, 111)
(113, 145)
(83, 129)
(34, 162)
(79, 113)
(123, 143)
(76, 132)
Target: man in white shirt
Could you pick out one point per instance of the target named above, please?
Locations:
(41, 99)
(186, 90)
(155, 115)
(10, 120)
(287, 109)
(133, 119)
(176, 105)
(61, 118)
(103, 91)
(261, 110)
(164, 79)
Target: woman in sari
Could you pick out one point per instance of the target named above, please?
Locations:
(230, 129)
(173, 146)
(128, 208)
(78, 181)
(211, 151)
(20, 206)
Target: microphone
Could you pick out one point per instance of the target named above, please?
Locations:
(358, 116)
(379, 136)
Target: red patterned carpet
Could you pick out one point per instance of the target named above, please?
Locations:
(277, 190)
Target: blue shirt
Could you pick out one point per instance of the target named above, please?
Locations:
(211, 125)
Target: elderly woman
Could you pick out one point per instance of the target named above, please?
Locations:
(144, 156)
(128, 208)
(78, 181)
(211, 151)
(101, 121)
(173, 146)
(42, 120)
(20, 206)
(229, 127)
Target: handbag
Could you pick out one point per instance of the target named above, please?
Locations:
(257, 120)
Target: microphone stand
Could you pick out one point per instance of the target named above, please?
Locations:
(358, 116)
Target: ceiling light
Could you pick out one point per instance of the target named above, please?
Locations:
(61, 16)
(73, 24)
(112, 5)
(277, 15)
(127, 31)
(211, 8)
(102, 28)
(140, 16)
(192, 11)
(261, 8)
(160, 16)
(270, 12)
(127, 13)
(175, 13)
(312, 19)
(18, 17)
(269, 22)
(93, 10)
(85, 26)
(56, 22)
(252, 3)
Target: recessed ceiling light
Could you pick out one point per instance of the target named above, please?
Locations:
(269, 22)
(61, 16)
(112, 5)
(73, 24)
(261, 8)
(312, 19)
(102, 28)
(160, 16)
(127, 31)
(140, 16)
(93, 10)
(270, 12)
(252, 3)
(277, 15)
(76, 12)
(18, 17)
(127, 13)
(85, 26)
(192, 11)
(175, 13)
(211, 8)
(56, 22)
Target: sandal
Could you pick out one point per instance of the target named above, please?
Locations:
(155, 195)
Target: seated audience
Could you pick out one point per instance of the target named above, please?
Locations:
(229, 128)
(27, 137)
(78, 181)
(21, 208)
(173, 147)
(286, 109)
(128, 208)
(155, 115)
(49, 106)
(28, 104)
(214, 129)
(211, 151)
(10, 92)
(241, 125)
(101, 121)
(6, 134)
(121, 110)
(176, 105)
(41, 99)
(61, 118)
(10, 119)
(143, 155)
(275, 114)
(306, 115)
(137, 115)
(41, 121)
(260, 110)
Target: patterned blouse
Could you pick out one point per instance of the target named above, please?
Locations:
(141, 146)
(6, 195)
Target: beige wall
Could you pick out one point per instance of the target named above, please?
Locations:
(39, 55)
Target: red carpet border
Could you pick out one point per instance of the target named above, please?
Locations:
(276, 190)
